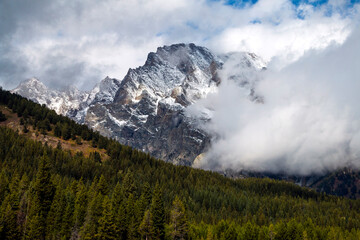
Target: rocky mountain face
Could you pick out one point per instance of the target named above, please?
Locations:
(147, 109)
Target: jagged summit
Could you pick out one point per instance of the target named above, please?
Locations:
(70, 101)
(182, 71)
(35, 90)
(30, 84)
(33, 82)
(146, 109)
(183, 56)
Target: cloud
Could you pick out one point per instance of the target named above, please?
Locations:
(308, 123)
(80, 42)
(282, 32)
(289, 41)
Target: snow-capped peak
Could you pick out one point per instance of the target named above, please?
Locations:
(60, 101)
(31, 84)
(104, 92)
(184, 66)
(35, 90)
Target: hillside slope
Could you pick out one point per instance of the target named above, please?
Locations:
(51, 193)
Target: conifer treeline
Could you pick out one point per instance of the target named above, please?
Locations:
(49, 193)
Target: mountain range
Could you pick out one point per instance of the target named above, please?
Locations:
(147, 108)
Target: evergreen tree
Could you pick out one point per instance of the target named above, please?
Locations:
(230, 233)
(35, 229)
(68, 219)
(44, 192)
(140, 207)
(128, 185)
(146, 227)
(146, 191)
(117, 197)
(24, 202)
(57, 130)
(95, 156)
(4, 185)
(158, 213)
(121, 220)
(66, 132)
(107, 229)
(178, 220)
(102, 186)
(10, 227)
(294, 230)
(93, 214)
(80, 205)
(56, 213)
(43, 187)
(85, 135)
(9, 211)
(210, 235)
(26, 113)
(130, 218)
(281, 232)
(251, 231)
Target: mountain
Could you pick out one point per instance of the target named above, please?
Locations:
(146, 109)
(60, 101)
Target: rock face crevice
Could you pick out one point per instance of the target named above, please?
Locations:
(147, 109)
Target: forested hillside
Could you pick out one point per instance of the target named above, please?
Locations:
(109, 191)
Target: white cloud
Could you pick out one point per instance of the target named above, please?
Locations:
(309, 122)
(280, 34)
(108, 37)
(286, 42)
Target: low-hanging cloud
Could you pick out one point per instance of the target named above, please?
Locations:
(308, 123)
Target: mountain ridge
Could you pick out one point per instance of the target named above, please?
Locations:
(146, 109)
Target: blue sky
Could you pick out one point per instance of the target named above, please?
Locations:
(242, 3)
(296, 3)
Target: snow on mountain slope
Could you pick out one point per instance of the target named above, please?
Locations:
(146, 109)
(183, 72)
(60, 101)
(35, 90)
(103, 93)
